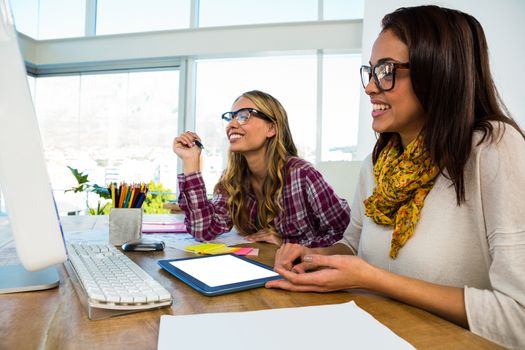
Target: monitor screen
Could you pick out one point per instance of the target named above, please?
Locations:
(23, 175)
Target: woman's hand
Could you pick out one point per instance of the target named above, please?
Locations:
(288, 254)
(323, 273)
(265, 236)
(329, 273)
(184, 147)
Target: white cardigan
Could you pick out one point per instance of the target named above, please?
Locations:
(479, 245)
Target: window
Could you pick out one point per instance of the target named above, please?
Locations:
(343, 9)
(80, 113)
(25, 13)
(125, 16)
(50, 19)
(290, 79)
(113, 126)
(341, 93)
(235, 12)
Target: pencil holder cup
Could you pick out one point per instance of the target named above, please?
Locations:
(125, 224)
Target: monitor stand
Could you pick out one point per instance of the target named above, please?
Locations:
(15, 278)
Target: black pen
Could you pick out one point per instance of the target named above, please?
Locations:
(198, 143)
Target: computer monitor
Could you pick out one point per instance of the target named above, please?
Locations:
(23, 175)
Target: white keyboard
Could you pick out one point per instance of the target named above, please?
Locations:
(109, 283)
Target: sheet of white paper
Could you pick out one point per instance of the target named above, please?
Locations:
(339, 326)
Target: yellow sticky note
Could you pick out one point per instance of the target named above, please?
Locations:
(222, 250)
(204, 247)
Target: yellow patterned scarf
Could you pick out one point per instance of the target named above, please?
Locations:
(402, 183)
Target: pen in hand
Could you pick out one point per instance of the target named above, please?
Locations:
(198, 143)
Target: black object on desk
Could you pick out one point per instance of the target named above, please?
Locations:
(143, 245)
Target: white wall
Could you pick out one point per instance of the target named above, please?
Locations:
(503, 22)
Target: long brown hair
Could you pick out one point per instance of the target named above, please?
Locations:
(450, 73)
(235, 181)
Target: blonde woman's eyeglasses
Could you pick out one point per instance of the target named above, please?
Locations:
(243, 115)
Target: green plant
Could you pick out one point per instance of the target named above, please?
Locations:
(157, 196)
(154, 203)
(85, 186)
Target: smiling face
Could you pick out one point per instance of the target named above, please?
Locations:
(397, 110)
(248, 138)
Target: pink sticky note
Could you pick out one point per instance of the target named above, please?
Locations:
(243, 251)
(254, 252)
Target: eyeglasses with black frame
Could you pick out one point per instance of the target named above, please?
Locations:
(383, 73)
(243, 115)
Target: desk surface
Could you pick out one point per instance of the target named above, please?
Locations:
(55, 319)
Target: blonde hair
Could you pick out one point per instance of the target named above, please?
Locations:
(235, 181)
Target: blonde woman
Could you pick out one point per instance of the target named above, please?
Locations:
(267, 192)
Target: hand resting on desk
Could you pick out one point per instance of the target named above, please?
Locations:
(320, 273)
(265, 236)
(324, 273)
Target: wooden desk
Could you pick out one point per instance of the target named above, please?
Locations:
(55, 319)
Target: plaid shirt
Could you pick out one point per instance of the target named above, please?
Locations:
(313, 215)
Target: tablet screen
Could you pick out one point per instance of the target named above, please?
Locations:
(222, 270)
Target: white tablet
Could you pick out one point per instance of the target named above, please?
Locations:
(220, 274)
